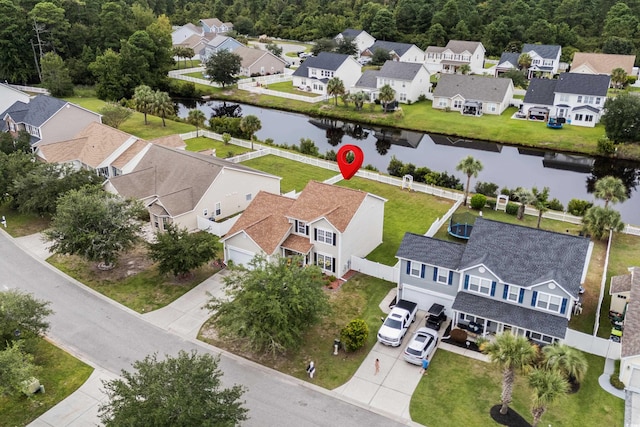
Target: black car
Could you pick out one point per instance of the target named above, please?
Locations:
(436, 317)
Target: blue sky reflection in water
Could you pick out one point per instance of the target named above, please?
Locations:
(567, 176)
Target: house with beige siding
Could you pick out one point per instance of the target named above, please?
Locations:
(601, 63)
(47, 119)
(325, 225)
(472, 95)
(179, 186)
(258, 62)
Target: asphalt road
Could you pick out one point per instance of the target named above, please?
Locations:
(111, 336)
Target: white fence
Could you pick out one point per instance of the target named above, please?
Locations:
(593, 345)
(375, 269)
(217, 228)
(441, 221)
(31, 89)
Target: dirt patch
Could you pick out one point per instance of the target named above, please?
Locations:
(129, 264)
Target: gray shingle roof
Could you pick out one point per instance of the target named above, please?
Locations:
(588, 108)
(460, 46)
(510, 57)
(583, 84)
(527, 256)
(543, 50)
(511, 314)
(351, 33)
(430, 251)
(400, 70)
(369, 79)
(472, 87)
(37, 111)
(324, 61)
(398, 48)
(540, 92)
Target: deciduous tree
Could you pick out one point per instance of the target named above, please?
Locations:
(270, 305)
(16, 367)
(114, 114)
(55, 75)
(621, 119)
(22, 317)
(179, 391)
(223, 67)
(106, 70)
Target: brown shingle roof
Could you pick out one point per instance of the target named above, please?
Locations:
(336, 204)
(620, 284)
(631, 335)
(171, 141)
(129, 154)
(297, 243)
(603, 63)
(250, 55)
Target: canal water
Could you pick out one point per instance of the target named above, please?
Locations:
(567, 176)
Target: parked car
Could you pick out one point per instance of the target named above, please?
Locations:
(304, 55)
(421, 346)
(437, 317)
(397, 323)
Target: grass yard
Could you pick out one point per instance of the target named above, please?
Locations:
(357, 298)
(287, 87)
(134, 282)
(60, 373)
(202, 143)
(295, 175)
(19, 224)
(459, 391)
(405, 211)
(189, 63)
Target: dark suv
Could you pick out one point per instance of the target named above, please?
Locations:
(436, 317)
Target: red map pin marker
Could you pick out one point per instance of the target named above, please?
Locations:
(349, 169)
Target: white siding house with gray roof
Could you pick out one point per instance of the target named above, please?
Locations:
(456, 53)
(402, 52)
(473, 95)
(507, 277)
(361, 38)
(315, 72)
(545, 59)
(408, 80)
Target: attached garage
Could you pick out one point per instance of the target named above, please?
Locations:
(238, 256)
(425, 299)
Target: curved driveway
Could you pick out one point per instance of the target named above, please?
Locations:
(112, 337)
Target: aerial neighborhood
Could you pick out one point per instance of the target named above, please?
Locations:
(132, 170)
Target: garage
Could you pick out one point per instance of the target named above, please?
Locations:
(238, 256)
(425, 298)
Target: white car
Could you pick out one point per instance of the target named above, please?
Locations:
(421, 346)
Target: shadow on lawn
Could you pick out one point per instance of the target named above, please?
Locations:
(510, 419)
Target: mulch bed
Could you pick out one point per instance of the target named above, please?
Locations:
(510, 419)
(472, 345)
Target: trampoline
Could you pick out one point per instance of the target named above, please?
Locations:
(461, 225)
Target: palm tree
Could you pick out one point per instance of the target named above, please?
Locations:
(540, 201)
(597, 221)
(196, 118)
(464, 69)
(249, 125)
(358, 99)
(610, 189)
(524, 61)
(335, 88)
(510, 353)
(566, 360)
(525, 197)
(386, 95)
(618, 77)
(143, 98)
(162, 105)
(548, 386)
(470, 167)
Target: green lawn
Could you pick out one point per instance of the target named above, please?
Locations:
(357, 298)
(189, 63)
(222, 150)
(295, 175)
(288, 87)
(19, 224)
(405, 211)
(60, 373)
(459, 391)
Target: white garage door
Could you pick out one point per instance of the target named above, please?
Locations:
(238, 256)
(425, 299)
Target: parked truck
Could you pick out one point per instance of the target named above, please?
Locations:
(397, 323)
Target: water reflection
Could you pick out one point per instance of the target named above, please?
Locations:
(568, 176)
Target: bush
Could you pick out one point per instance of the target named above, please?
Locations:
(459, 335)
(491, 203)
(631, 80)
(556, 205)
(614, 379)
(606, 146)
(370, 167)
(512, 208)
(355, 334)
(307, 146)
(478, 201)
(182, 89)
(422, 97)
(577, 207)
(489, 189)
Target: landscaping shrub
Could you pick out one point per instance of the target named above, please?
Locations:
(512, 208)
(631, 80)
(578, 207)
(459, 335)
(307, 146)
(478, 201)
(489, 189)
(371, 168)
(555, 205)
(606, 146)
(614, 379)
(182, 89)
(355, 334)
(331, 155)
(491, 203)
(422, 97)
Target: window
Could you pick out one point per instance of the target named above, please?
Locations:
(578, 117)
(403, 96)
(248, 197)
(579, 98)
(218, 209)
(457, 104)
(513, 293)
(492, 107)
(564, 97)
(588, 118)
(548, 302)
(416, 269)
(443, 276)
(301, 227)
(479, 285)
(598, 101)
(541, 338)
(325, 262)
(324, 236)
(442, 102)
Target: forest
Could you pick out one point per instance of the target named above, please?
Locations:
(130, 40)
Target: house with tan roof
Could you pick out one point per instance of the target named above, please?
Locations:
(473, 95)
(258, 62)
(455, 54)
(628, 287)
(185, 188)
(325, 225)
(601, 63)
(108, 151)
(214, 25)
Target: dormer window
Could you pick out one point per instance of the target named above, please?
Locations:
(302, 228)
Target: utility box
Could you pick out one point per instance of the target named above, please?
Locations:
(31, 386)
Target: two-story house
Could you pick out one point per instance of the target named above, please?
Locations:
(505, 278)
(219, 43)
(408, 80)
(472, 95)
(402, 52)
(214, 25)
(315, 72)
(456, 53)
(180, 34)
(578, 98)
(47, 119)
(325, 225)
(545, 60)
(10, 95)
(361, 38)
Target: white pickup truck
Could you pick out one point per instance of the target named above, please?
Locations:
(397, 323)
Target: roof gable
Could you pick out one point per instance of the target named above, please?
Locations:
(461, 46)
(400, 70)
(39, 109)
(428, 250)
(508, 58)
(542, 50)
(541, 91)
(399, 48)
(583, 84)
(324, 61)
(472, 87)
(603, 63)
